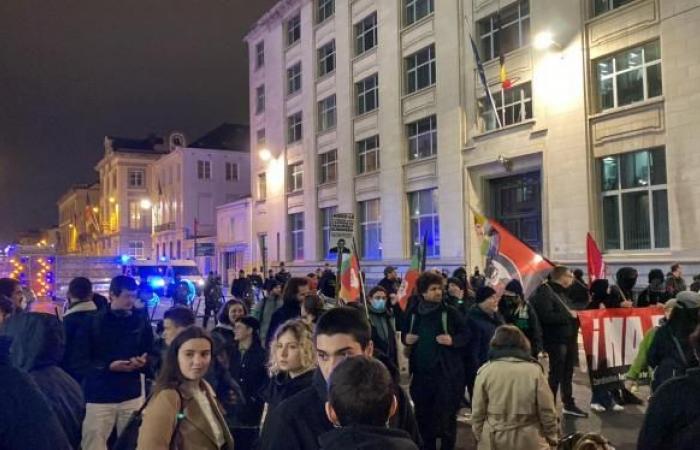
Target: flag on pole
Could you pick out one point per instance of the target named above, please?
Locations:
(484, 83)
(596, 265)
(350, 283)
(502, 74)
(508, 258)
(408, 284)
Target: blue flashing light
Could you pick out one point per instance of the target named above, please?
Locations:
(163, 259)
(125, 259)
(157, 282)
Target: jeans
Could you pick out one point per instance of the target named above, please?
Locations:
(100, 419)
(562, 358)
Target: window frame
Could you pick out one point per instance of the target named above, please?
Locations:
(413, 5)
(295, 176)
(414, 219)
(294, 79)
(366, 224)
(296, 236)
(260, 137)
(232, 171)
(327, 113)
(203, 169)
(326, 216)
(136, 178)
(493, 28)
(610, 5)
(293, 29)
(260, 99)
(262, 187)
(486, 113)
(414, 135)
(137, 219)
(260, 55)
(363, 30)
(325, 9)
(326, 161)
(295, 128)
(363, 150)
(326, 58)
(137, 251)
(364, 93)
(413, 66)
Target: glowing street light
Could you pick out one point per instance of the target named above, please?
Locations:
(545, 40)
(146, 204)
(265, 154)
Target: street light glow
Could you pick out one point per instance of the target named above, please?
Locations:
(544, 40)
(146, 204)
(265, 154)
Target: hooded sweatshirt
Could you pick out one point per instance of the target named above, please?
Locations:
(656, 292)
(626, 278)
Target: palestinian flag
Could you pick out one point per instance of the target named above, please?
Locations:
(408, 284)
(503, 75)
(350, 287)
(508, 258)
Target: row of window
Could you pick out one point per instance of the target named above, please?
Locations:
(423, 217)
(204, 171)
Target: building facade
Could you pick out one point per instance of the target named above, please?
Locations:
(234, 238)
(377, 108)
(78, 227)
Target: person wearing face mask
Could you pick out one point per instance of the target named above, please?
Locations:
(519, 312)
(183, 412)
(383, 325)
(437, 336)
(656, 292)
(622, 294)
(458, 297)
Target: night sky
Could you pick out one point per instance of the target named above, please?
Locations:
(74, 71)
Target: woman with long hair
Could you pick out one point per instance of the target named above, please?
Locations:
(228, 314)
(183, 412)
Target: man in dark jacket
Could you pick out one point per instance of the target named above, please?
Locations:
(559, 334)
(519, 312)
(483, 319)
(675, 282)
(622, 294)
(297, 422)
(437, 336)
(118, 348)
(383, 324)
(458, 296)
(283, 275)
(26, 419)
(391, 281)
(656, 292)
(240, 288)
(578, 292)
(37, 348)
(293, 294)
(77, 325)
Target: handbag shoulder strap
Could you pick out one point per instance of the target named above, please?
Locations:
(178, 419)
(680, 349)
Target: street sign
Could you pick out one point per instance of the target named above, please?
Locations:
(342, 230)
(205, 249)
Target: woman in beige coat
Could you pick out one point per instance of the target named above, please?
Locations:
(513, 406)
(183, 413)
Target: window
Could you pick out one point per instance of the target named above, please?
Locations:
(326, 113)
(294, 128)
(293, 30)
(231, 171)
(262, 186)
(136, 249)
(260, 137)
(415, 10)
(368, 155)
(514, 105)
(326, 8)
(179, 249)
(423, 215)
(367, 92)
(327, 167)
(136, 220)
(366, 34)
(136, 178)
(630, 76)
(603, 6)
(506, 31)
(294, 78)
(422, 138)
(635, 200)
(370, 229)
(204, 170)
(326, 59)
(295, 174)
(326, 216)
(259, 54)
(420, 69)
(260, 99)
(296, 236)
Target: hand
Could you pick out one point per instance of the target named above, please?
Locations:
(139, 361)
(121, 365)
(411, 338)
(444, 339)
(627, 304)
(573, 313)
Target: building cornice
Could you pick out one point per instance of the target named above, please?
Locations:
(271, 17)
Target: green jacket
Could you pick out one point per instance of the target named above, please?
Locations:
(640, 361)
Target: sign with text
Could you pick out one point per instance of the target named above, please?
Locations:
(205, 249)
(611, 339)
(342, 230)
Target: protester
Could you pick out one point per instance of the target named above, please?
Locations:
(184, 293)
(256, 280)
(270, 277)
(477, 280)
(641, 364)
(118, 345)
(265, 308)
(519, 312)
(297, 422)
(622, 294)
(361, 401)
(437, 336)
(78, 328)
(313, 281)
(241, 286)
(294, 292)
(675, 282)
(578, 292)
(283, 275)
(513, 407)
(383, 325)
(391, 281)
(671, 354)
(183, 412)
(213, 296)
(483, 319)
(695, 285)
(559, 334)
(326, 286)
(37, 349)
(656, 292)
(457, 296)
(312, 307)
(600, 294)
(291, 364)
(12, 289)
(672, 419)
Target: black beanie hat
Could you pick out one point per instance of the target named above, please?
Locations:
(483, 293)
(515, 287)
(250, 322)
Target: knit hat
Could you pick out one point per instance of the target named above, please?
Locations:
(688, 299)
(484, 293)
(457, 282)
(515, 287)
(388, 270)
(250, 322)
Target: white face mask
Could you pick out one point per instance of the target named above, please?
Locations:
(378, 304)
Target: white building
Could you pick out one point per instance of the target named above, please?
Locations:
(376, 108)
(234, 238)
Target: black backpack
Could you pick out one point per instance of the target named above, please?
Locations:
(128, 439)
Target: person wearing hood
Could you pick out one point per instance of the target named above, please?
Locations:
(578, 292)
(293, 294)
(656, 292)
(600, 294)
(437, 337)
(360, 403)
(383, 324)
(265, 308)
(37, 349)
(298, 421)
(513, 407)
(670, 353)
(622, 294)
(519, 312)
(291, 363)
(675, 282)
(326, 286)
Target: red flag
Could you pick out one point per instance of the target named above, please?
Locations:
(508, 258)
(350, 278)
(596, 265)
(408, 284)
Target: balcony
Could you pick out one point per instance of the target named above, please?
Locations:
(170, 226)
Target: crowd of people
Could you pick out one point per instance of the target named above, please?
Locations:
(289, 366)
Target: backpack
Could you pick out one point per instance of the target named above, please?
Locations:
(584, 441)
(128, 439)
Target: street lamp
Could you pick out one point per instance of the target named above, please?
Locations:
(146, 204)
(265, 154)
(545, 40)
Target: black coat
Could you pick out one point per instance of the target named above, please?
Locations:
(77, 326)
(532, 330)
(240, 288)
(367, 438)
(248, 370)
(299, 421)
(664, 355)
(482, 327)
(653, 297)
(385, 346)
(391, 287)
(578, 294)
(550, 303)
(288, 310)
(672, 418)
(281, 387)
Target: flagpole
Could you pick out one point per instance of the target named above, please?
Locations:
(482, 77)
(362, 281)
(424, 248)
